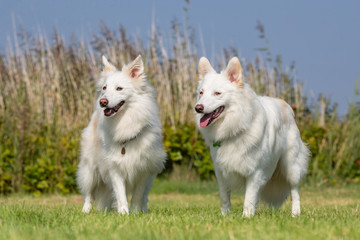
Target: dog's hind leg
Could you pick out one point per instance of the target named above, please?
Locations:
(147, 189)
(87, 180)
(253, 186)
(276, 190)
(87, 204)
(88, 199)
(119, 187)
(104, 197)
(295, 201)
(295, 166)
(138, 193)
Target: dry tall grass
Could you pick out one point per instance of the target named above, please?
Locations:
(48, 79)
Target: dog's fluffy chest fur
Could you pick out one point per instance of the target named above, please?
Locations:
(124, 155)
(260, 145)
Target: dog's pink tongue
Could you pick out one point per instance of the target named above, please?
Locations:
(204, 121)
(108, 111)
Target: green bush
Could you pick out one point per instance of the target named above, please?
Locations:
(185, 146)
(45, 162)
(7, 161)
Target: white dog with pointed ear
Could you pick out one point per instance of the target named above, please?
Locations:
(121, 148)
(254, 141)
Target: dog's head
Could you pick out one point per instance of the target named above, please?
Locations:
(115, 87)
(216, 90)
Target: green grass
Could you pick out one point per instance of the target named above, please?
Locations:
(184, 210)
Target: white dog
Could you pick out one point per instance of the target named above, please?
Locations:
(121, 148)
(254, 141)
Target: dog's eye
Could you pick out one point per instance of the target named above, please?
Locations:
(217, 93)
(119, 88)
(201, 93)
(104, 88)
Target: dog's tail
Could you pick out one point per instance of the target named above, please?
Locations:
(276, 190)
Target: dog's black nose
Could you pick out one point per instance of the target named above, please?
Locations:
(103, 102)
(199, 108)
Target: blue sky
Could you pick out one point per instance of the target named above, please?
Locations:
(321, 37)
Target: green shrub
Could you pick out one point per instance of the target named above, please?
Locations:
(45, 162)
(185, 146)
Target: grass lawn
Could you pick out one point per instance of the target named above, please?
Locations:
(181, 210)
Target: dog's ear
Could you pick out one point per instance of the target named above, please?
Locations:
(108, 67)
(204, 67)
(135, 69)
(234, 71)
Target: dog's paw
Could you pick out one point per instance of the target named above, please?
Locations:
(295, 213)
(124, 210)
(136, 209)
(249, 212)
(86, 208)
(225, 211)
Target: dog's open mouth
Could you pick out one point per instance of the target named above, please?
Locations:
(208, 118)
(111, 111)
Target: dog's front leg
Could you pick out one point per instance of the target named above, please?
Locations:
(251, 196)
(225, 203)
(119, 188)
(138, 194)
(224, 192)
